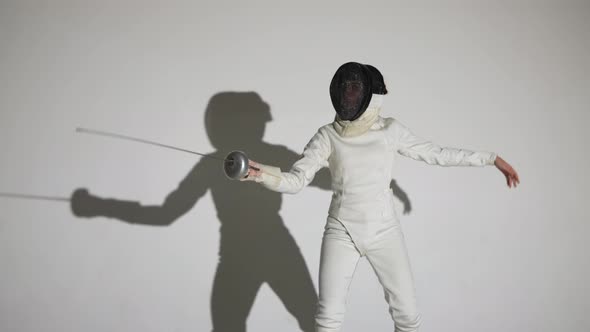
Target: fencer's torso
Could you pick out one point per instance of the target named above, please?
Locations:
(361, 168)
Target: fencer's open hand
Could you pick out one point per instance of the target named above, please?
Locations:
(254, 171)
(509, 172)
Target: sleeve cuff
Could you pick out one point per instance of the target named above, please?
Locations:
(270, 177)
(492, 159)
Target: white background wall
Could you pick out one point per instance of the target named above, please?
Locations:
(506, 76)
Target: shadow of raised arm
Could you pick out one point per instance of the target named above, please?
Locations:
(177, 203)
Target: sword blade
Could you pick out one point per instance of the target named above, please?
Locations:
(36, 197)
(140, 140)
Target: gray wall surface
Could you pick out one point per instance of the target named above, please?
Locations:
(505, 76)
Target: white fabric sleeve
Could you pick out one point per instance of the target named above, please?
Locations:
(270, 176)
(417, 148)
(315, 156)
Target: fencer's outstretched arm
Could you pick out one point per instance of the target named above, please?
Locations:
(315, 156)
(418, 148)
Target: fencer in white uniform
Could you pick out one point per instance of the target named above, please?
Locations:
(361, 154)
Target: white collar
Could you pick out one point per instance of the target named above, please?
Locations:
(361, 125)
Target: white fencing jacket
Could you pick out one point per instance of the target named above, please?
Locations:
(360, 155)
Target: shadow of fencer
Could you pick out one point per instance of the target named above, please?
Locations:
(255, 245)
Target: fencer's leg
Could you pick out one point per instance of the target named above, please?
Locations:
(389, 258)
(338, 260)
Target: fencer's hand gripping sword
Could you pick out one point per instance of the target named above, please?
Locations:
(235, 164)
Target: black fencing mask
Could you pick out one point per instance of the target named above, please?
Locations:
(350, 90)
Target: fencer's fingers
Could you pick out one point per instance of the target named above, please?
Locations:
(514, 184)
(513, 173)
(513, 176)
(507, 176)
(513, 181)
(253, 173)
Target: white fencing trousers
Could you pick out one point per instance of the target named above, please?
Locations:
(386, 252)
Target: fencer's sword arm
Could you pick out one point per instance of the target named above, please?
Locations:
(315, 156)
